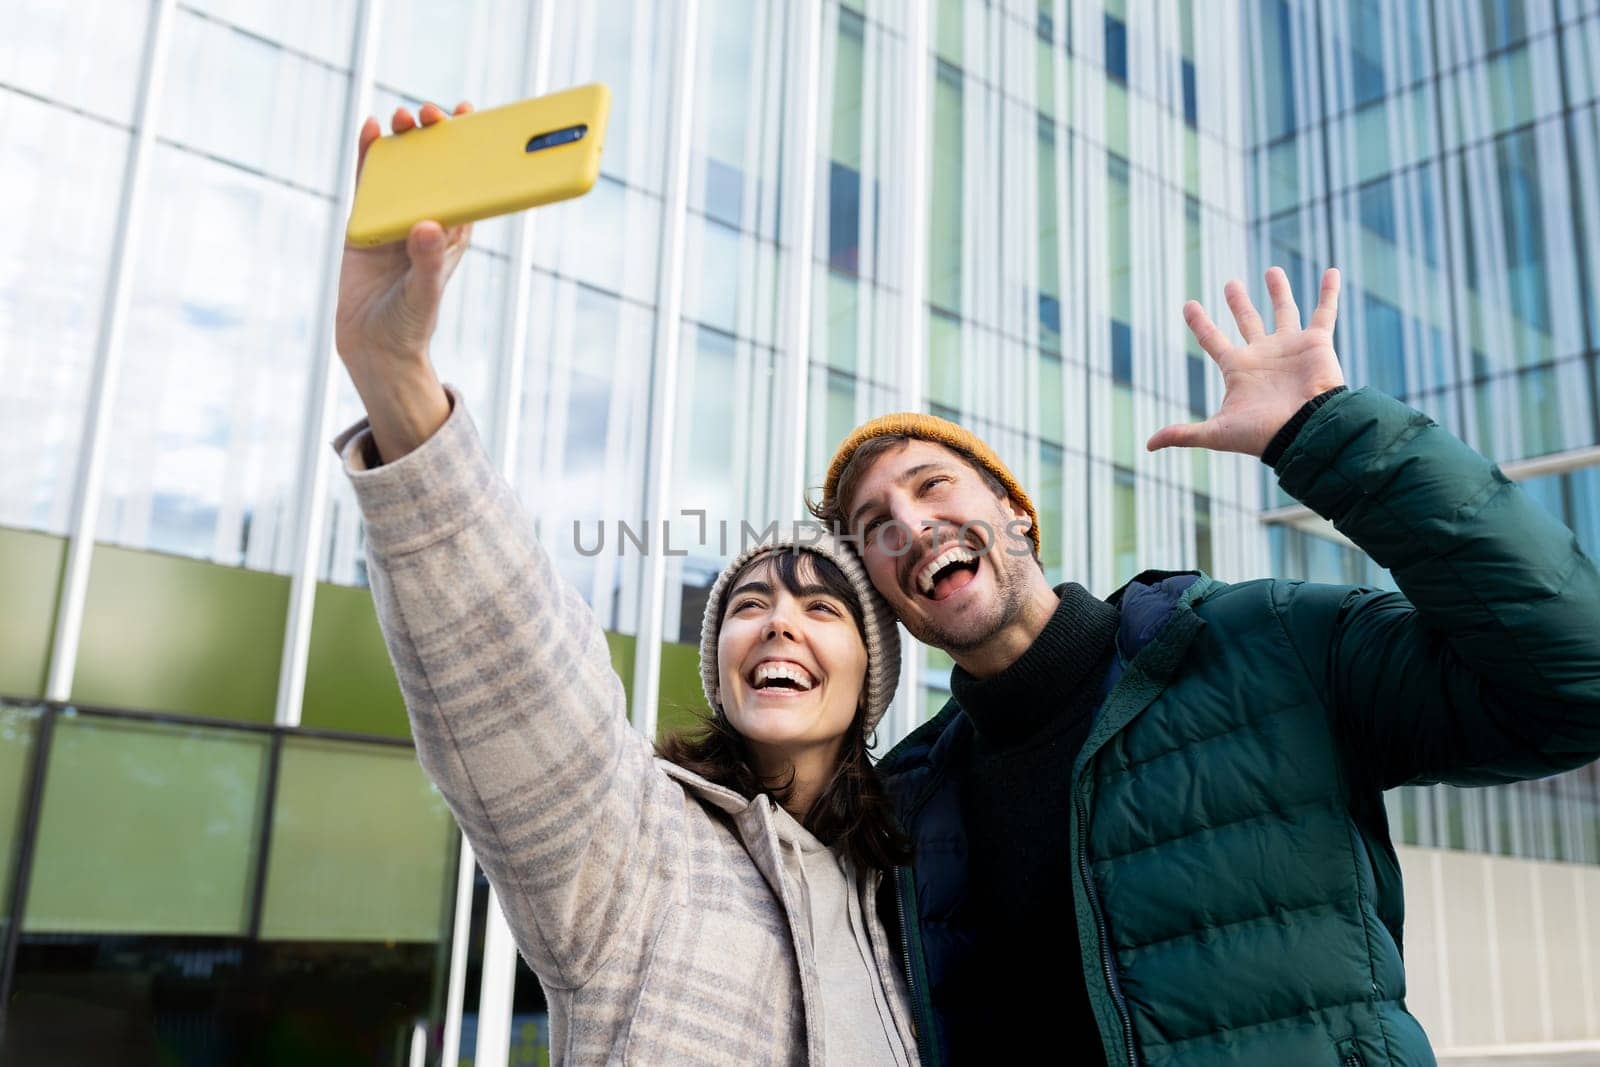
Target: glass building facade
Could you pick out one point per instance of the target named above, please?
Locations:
(810, 212)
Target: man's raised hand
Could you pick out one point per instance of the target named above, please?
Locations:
(1268, 378)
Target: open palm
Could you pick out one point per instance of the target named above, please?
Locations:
(1268, 378)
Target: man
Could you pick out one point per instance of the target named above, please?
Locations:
(1151, 828)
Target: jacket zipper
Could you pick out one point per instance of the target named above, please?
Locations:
(925, 1048)
(1100, 927)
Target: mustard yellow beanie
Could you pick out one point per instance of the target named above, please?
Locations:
(940, 432)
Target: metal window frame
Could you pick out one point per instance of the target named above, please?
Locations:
(316, 462)
(668, 339)
(38, 769)
(90, 477)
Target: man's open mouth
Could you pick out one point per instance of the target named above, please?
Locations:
(951, 570)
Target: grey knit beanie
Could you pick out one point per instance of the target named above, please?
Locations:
(883, 636)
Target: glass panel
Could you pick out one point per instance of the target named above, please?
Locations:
(86, 54)
(217, 352)
(1050, 499)
(581, 467)
(362, 847)
(147, 828)
(1124, 526)
(723, 464)
(946, 198)
(626, 45)
(60, 177)
(322, 28)
(18, 728)
(283, 115)
(944, 360)
(439, 52)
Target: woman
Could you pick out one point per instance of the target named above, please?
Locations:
(715, 906)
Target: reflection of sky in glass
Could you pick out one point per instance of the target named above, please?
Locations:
(211, 401)
(85, 54)
(252, 103)
(60, 179)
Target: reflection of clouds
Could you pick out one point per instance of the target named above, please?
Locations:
(211, 403)
(51, 49)
(59, 177)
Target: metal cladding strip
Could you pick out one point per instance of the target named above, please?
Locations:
(107, 362)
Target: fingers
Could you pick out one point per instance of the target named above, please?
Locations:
(1328, 301)
(1244, 312)
(1183, 435)
(463, 108)
(402, 121)
(1212, 339)
(370, 132)
(1285, 313)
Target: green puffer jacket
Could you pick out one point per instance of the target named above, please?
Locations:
(1237, 895)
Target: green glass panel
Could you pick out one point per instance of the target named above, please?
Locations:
(944, 360)
(1050, 500)
(1122, 428)
(843, 298)
(30, 574)
(1045, 83)
(847, 73)
(166, 633)
(1119, 252)
(682, 704)
(944, 217)
(1052, 417)
(1116, 117)
(362, 846)
(949, 30)
(18, 727)
(1200, 470)
(350, 681)
(146, 828)
(1125, 526)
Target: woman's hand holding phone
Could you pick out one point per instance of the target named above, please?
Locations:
(389, 299)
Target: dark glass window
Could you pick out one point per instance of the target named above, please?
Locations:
(1191, 107)
(1198, 369)
(1116, 49)
(844, 218)
(1121, 352)
(1050, 318)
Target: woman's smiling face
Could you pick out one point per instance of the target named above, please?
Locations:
(792, 664)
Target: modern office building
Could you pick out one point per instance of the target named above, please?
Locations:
(215, 844)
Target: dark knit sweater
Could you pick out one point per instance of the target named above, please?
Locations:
(1030, 721)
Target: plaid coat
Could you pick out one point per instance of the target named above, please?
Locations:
(652, 904)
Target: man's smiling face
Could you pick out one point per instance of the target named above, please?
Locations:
(941, 545)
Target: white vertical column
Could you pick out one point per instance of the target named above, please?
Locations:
(90, 477)
(493, 1045)
(316, 458)
(806, 33)
(498, 986)
(916, 91)
(513, 365)
(664, 371)
(460, 935)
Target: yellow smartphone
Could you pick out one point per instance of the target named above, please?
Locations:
(482, 164)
